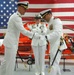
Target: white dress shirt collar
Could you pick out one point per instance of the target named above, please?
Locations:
(19, 14)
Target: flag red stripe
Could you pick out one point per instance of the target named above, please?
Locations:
(69, 26)
(49, 1)
(53, 10)
(56, 11)
(70, 34)
(66, 18)
(62, 18)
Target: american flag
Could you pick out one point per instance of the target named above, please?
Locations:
(7, 8)
(63, 9)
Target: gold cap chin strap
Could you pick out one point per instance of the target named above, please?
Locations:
(26, 7)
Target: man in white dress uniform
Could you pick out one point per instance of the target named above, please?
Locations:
(55, 31)
(15, 26)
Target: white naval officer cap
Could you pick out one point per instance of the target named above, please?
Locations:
(38, 16)
(23, 4)
(45, 12)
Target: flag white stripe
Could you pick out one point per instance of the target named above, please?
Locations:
(63, 22)
(60, 5)
(3, 30)
(68, 31)
(63, 13)
(32, 14)
(68, 22)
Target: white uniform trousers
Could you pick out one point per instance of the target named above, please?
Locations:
(39, 53)
(55, 70)
(7, 66)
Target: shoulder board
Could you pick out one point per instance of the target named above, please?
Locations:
(18, 15)
(55, 18)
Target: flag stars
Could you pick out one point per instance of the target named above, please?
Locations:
(4, 8)
(4, 25)
(1, 17)
(7, 8)
(7, 11)
(4, 2)
(7, 5)
(7, 17)
(10, 14)
(12, 5)
(10, 8)
(4, 19)
(13, 11)
(1, 22)
(15, 8)
(9, 2)
(1, 5)
(15, 2)
(1, 11)
(4, 14)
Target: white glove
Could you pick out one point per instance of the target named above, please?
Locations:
(1, 42)
(29, 26)
(36, 36)
(34, 30)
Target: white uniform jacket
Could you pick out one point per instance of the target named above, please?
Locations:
(55, 31)
(41, 29)
(15, 26)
